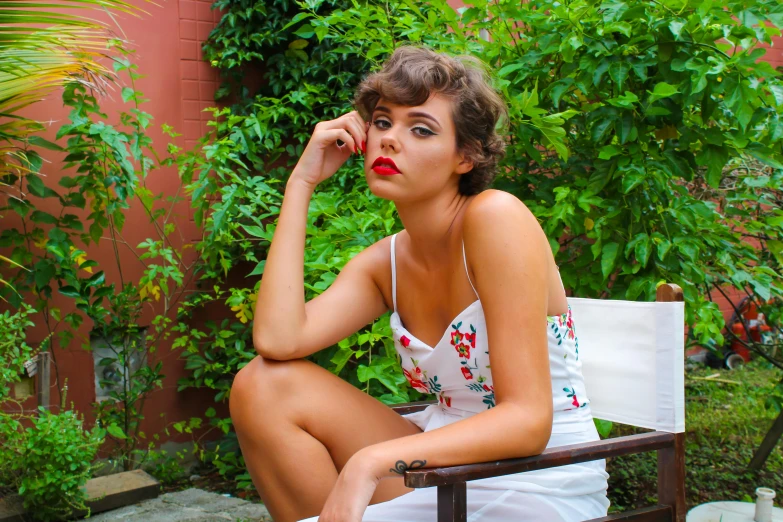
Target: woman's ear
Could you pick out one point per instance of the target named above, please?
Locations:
(465, 164)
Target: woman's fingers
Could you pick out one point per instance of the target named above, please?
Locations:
(341, 137)
(357, 132)
(352, 125)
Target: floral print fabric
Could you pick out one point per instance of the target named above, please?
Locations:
(457, 370)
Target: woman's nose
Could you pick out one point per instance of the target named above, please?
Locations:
(389, 140)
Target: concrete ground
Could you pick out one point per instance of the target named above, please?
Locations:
(190, 505)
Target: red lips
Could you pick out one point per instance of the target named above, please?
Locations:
(385, 166)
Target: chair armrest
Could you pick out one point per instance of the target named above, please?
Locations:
(412, 407)
(551, 458)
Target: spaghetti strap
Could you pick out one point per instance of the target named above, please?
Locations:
(560, 277)
(465, 260)
(394, 273)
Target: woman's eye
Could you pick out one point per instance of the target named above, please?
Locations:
(423, 131)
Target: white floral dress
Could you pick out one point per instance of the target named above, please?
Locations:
(457, 370)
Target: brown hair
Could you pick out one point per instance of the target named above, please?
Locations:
(412, 74)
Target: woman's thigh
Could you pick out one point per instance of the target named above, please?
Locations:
(343, 418)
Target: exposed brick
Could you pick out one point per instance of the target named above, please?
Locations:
(206, 72)
(190, 90)
(187, 10)
(188, 69)
(187, 29)
(206, 91)
(191, 130)
(204, 12)
(206, 115)
(191, 110)
(188, 50)
(204, 28)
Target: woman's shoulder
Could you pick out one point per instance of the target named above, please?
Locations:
(496, 209)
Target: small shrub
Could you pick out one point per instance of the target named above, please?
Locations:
(50, 462)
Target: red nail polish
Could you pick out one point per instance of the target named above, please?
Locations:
(364, 148)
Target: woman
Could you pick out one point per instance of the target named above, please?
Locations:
(472, 269)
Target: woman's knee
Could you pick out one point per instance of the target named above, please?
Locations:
(259, 381)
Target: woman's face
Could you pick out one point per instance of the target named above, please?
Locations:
(422, 146)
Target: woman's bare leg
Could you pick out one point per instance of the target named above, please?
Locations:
(298, 424)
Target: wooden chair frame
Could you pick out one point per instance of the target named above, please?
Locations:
(452, 481)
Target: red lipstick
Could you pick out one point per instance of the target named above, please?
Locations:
(385, 166)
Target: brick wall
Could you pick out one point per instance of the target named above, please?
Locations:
(198, 80)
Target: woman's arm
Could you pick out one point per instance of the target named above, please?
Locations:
(508, 252)
(284, 326)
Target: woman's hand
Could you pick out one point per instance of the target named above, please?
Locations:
(351, 493)
(323, 155)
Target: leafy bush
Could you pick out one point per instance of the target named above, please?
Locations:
(48, 462)
(14, 351)
(106, 170)
(644, 136)
(55, 463)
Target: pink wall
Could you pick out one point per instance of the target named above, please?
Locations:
(178, 85)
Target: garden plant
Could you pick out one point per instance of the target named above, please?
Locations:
(645, 136)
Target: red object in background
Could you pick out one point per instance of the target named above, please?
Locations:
(736, 346)
(755, 327)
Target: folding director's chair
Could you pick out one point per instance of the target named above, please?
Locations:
(623, 345)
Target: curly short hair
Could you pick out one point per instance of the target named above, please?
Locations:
(412, 74)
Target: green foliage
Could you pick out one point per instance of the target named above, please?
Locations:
(643, 135)
(14, 351)
(46, 457)
(54, 463)
(106, 170)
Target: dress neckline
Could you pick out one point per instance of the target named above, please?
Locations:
(445, 335)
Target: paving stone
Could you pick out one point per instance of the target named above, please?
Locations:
(190, 505)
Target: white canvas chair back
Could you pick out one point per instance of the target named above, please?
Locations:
(632, 357)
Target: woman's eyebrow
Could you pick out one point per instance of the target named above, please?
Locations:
(412, 114)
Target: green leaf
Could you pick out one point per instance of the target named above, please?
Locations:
(609, 151)
(603, 427)
(714, 158)
(608, 258)
(642, 250)
(70, 291)
(340, 359)
(259, 269)
(765, 155)
(37, 188)
(618, 27)
(631, 180)
(508, 69)
(116, 431)
(600, 128)
(44, 143)
(40, 216)
(776, 248)
(298, 44)
(306, 31)
(128, 94)
(618, 72)
(662, 90)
